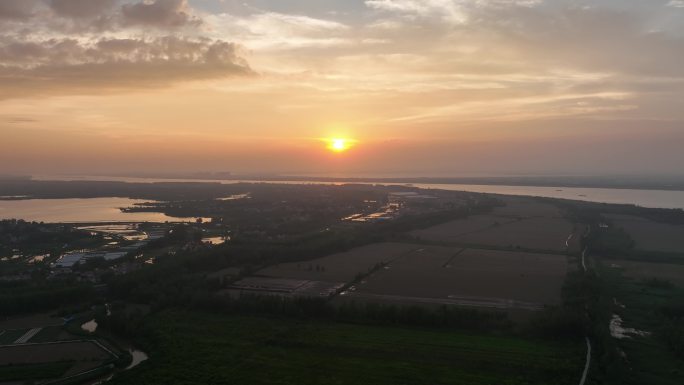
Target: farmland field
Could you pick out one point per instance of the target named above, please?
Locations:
(9, 336)
(522, 207)
(284, 286)
(50, 360)
(461, 227)
(650, 235)
(533, 233)
(28, 322)
(471, 277)
(47, 352)
(522, 223)
(194, 348)
(340, 267)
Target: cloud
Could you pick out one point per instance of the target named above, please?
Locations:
(17, 9)
(450, 11)
(598, 39)
(676, 3)
(160, 13)
(81, 8)
(50, 47)
(272, 30)
(445, 10)
(62, 65)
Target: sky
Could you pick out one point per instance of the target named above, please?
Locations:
(419, 87)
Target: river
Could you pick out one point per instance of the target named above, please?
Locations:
(107, 209)
(644, 198)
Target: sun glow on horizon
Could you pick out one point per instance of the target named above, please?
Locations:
(339, 144)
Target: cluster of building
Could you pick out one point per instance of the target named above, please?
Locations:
(393, 208)
(67, 261)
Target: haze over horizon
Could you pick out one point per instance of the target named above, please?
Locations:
(422, 87)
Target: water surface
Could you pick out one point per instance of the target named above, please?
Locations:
(79, 211)
(90, 326)
(639, 197)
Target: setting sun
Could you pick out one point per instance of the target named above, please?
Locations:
(339, 144)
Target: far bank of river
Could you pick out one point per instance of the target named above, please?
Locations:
(108, 209)
(640, 197)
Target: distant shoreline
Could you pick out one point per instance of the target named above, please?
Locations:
(633, 183)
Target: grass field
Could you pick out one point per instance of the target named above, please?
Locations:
(497, 279)
(650, 235)
(210, 349)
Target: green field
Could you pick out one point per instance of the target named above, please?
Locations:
(196, 348)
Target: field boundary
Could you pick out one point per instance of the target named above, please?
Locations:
(456, 254)
(484, 247)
